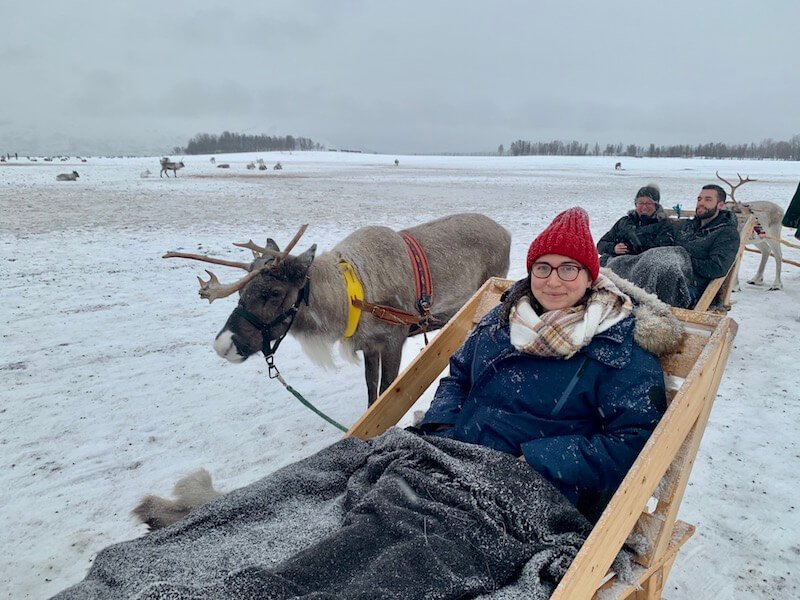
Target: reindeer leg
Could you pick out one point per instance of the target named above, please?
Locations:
(372, 360)
(777, 253)
(391, 356)
(759, 277)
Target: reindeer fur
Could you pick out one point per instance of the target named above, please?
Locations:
(769, 216)
(191, 491)
(462, 250)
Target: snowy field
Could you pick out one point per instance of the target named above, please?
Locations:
(111, 388)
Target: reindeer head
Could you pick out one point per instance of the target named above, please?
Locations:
(274, 282)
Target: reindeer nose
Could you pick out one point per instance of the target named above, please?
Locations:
(224, 346)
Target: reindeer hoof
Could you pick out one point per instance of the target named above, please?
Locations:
(774, 289)
(755, 283)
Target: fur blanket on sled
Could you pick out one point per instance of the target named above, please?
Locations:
(665, 271)
(397, 516)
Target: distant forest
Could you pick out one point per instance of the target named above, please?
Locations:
(208, 143)
(767, 149)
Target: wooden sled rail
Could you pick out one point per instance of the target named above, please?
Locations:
(658, 476)
(717, 295)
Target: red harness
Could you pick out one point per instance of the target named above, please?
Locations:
(424, 284)
(422, 273)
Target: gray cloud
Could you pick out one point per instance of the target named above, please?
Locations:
(411, 77)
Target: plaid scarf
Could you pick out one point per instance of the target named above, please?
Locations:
(561, 333)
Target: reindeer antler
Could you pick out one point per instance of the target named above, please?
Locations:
(208, 259)
(212, 289)
(734, 187)
(259, 251)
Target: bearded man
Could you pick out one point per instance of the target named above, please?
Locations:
(711, 238)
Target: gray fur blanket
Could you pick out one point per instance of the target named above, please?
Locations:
(665, 271)
(398, 516)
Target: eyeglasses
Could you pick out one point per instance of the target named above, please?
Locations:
(644, 203)
(565, 272)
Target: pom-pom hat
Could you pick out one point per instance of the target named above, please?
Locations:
(649, 191)
(568, 235)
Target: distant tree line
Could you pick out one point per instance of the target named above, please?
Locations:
(208, 143)
(767, 149)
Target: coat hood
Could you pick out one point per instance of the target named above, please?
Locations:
(657, 329)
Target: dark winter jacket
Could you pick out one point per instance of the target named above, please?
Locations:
(712, 248)
(579, 422)
(639, 233)
(792, 216)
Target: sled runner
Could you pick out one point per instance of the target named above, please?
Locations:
(661, 471)
(717, 295)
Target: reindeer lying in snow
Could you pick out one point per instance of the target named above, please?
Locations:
(67, 176)
(769, 216)
(311, 296)
(168, 165)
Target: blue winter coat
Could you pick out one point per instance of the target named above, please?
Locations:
(579, 422)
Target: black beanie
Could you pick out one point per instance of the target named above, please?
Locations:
(649, 191)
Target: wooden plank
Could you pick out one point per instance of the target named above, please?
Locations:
(682, 362)
(680, 535)
(668, 506)
(617, 521)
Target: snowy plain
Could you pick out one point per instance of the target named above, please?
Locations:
(111, 388)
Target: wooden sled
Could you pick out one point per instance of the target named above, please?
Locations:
(717, 295)
(661, 471)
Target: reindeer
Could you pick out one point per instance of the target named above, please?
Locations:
(67, 176)
(766, 237)
(310, 295)
(168, 165)
(145, 174)
(251, 165)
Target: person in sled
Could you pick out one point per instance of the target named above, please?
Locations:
(705, 248)
(644, 227)
(546, 406)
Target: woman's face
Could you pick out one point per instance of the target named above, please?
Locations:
(553, 292)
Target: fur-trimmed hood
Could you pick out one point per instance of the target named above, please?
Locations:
(657, 329)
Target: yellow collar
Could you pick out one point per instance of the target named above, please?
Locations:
(354, 292)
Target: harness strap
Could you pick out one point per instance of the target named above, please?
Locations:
(388, 314)
(422, 273)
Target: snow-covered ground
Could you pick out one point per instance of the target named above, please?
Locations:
(111, 387)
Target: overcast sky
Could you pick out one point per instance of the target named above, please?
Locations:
(397, 77)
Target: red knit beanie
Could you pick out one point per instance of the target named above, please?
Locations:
(567, 235)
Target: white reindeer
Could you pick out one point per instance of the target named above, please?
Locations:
(767, 235)
(145, 174)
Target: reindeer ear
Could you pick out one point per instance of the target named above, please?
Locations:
(272, 245)
(307, 257)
